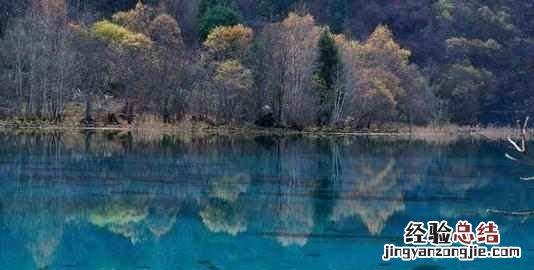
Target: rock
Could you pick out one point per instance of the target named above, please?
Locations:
(205, 119)
(349, 121)
(343, 123)
(88, 122)
(296, 126)
(266, 117)
(112, 119)
(339, 124)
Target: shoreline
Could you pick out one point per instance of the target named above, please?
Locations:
(492, 133)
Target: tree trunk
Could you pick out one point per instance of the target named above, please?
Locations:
(88, 109)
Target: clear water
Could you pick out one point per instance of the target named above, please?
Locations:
(110, 200)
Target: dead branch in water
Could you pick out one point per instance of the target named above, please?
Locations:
(521, 148)
(520, 213)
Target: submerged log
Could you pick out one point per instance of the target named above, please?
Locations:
(518, 213)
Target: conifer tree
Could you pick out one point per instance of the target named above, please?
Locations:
(327, 65)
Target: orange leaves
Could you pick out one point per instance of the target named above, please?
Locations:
(382, 48)
(295, 21)
(300, 30)
(376, 73)
(228, 41)
(381, 84)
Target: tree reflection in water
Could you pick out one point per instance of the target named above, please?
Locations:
(292, 189)
(223, 211)
(295, 208)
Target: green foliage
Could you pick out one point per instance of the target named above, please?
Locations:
(274, 9)
(328, 60)
(444, 10)
(205, 5)
(109, 7)
(494, 24)
(468, 90)
(462, 47)
(218, 16)
(328, 65)
(477, 51)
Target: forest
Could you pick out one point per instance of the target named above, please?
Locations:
(284, 63)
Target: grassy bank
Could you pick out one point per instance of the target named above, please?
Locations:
(153, 124)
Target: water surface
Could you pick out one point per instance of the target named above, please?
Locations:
(111, 200)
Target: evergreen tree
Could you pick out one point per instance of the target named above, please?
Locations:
(205, 5)
(218, 16)
(327, 65)
(274, 9)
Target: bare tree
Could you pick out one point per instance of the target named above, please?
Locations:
(42, 59)
(521, 148)
(300, 37)
(168, 67)
(91, 68)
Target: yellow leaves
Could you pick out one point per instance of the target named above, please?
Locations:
(376, 74)
(224, 218)
(119, 35)
(379, 50)
(226, 47)
(378, 63)
(230, 34)
(233, 76)
(381, 36)
(381, 42)
(137, 19)
(135, 28)
(229, 41)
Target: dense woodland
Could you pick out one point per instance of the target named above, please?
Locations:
(288, 63)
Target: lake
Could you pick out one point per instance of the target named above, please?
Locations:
(120, 200)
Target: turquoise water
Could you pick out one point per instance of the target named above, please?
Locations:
(107, 200)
